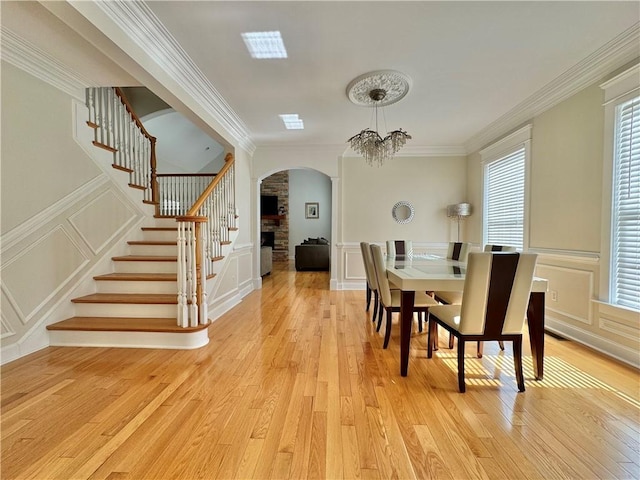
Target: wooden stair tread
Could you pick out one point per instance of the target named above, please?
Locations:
(146, 258)
(151, 242)
(159, 229)
(124, 324)
(136, 277)
(129, 298)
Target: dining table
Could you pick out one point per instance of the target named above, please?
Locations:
(427, 273)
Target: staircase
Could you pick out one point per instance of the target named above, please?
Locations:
(157, 296)
(136, 304)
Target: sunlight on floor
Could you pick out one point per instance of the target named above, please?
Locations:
(495, 370)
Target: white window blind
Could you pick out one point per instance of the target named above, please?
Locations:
(504, 200)
(625, 269)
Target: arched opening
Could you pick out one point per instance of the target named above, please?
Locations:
(294, 208)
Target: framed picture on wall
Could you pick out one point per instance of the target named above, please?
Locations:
(311, 210)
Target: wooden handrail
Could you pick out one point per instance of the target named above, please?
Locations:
(228, 159)
(135, 118)
(186, 174)
(155, 190)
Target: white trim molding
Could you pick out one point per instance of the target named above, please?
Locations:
(420, 151)
(616, 53)
(138, 23)
(26, 56)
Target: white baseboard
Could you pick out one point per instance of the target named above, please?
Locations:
(608, 347)
(178, 341)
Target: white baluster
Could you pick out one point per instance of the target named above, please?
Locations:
(203, 308)
(183, 314)
(91, 105)
(193, 307)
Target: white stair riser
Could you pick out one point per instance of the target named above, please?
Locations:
(160, 235)
(183, 341)
(124, 310)
(124, 286)
(165, 222)
(153, 250)
(145, 267)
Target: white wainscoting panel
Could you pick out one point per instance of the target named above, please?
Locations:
(5, 329)
(62, 257)
(101, 220)
(569, 293)
(578, 315)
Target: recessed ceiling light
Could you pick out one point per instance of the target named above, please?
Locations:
(292, 121)
(265, 44)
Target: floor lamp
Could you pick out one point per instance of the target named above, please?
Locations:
(459, 211)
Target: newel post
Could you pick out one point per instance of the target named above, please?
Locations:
(192, 275)
(155, 190)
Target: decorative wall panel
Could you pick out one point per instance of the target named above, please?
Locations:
(53, 260)
(570, 291)
(101, 220)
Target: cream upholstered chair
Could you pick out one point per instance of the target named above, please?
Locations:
(498, 248)
(497, 287)
(372, 281)
(456, 251)
(390, 299)
(399, 247)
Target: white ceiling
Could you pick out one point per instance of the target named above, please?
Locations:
(470, 62)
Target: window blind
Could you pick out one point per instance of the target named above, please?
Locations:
(504, 201)
(626, 207)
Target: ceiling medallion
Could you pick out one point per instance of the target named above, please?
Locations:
(395, 84)
(377, 89)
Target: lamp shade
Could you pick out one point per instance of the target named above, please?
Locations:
(459, 210)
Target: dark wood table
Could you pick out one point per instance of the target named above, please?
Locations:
(421, 273)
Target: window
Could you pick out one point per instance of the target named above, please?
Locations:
(625, 225)
(620, 248)
(505, 190)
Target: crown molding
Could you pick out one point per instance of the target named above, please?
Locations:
(420, 151)
(142, 26)
(26, 56)
(614, 54)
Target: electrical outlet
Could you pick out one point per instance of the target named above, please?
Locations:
(554, 295)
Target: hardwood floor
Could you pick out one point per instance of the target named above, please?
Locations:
(295, 384)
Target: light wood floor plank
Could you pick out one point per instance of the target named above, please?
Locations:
(294, 384)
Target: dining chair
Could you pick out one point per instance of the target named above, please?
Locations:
(390, 299)
(372, 281)
(497, 287)
(456, 251)
(498, 248)
(399, 247)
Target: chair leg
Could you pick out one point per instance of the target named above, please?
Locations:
(461, 385)
(420, 317)
(517, 359)
(450, 341)
(501, 343)
(480, 345)
(375, 306)
(431, 325)
(387, 333)
(380, 310)
(368, 298)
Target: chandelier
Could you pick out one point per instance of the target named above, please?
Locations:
(378, 89)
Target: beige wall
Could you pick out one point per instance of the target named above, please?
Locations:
(62, 217)
(566, 174)
(41, 162)
(429, 183)
(565, 227)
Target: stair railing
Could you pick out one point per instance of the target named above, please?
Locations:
(202, 233)
(179, 191)
(119, 130)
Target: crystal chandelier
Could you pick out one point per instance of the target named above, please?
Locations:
(378, 89)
